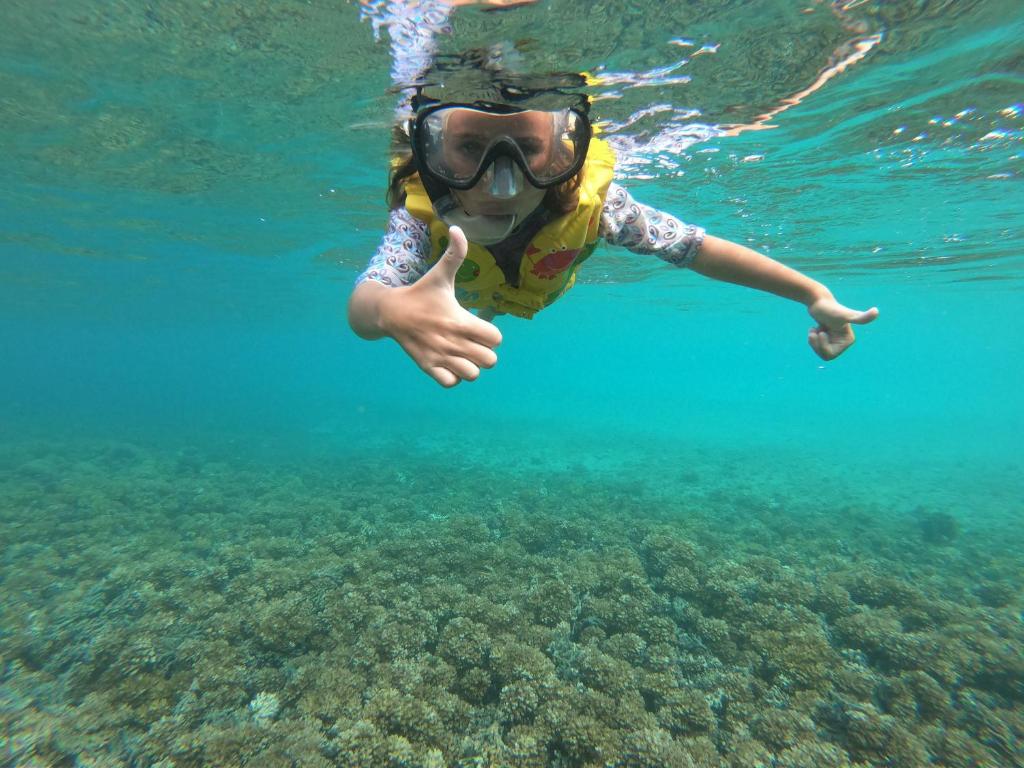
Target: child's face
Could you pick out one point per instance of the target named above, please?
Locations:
(478, 201)
(468, 132)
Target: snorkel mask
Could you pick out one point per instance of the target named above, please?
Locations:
(499, 146)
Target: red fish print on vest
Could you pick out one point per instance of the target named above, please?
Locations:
(554, 263)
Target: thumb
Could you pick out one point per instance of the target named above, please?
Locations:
(863, 318)
(448, 265)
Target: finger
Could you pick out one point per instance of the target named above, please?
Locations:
(834, 344)
(814, 339)
(863, 318)
(442, 376)
(828, 348)
(482, 332)
(480, 355)
(463, 368)
(821, 344)
(450, 261)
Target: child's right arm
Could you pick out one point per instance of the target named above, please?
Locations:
(448, 342)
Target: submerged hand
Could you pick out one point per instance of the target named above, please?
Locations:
(833, 333)
(447, 341)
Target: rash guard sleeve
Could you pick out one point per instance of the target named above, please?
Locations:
(646, 230)
(403, 255)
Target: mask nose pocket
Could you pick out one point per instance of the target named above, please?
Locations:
(503, 178)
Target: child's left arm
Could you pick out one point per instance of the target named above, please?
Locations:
(734, 263)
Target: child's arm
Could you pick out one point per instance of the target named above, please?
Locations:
(448, 342)
(734, 263)
(643, 229)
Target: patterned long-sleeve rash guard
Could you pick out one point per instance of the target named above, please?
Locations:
(404, 252)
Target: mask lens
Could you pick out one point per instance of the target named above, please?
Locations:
(459, 144)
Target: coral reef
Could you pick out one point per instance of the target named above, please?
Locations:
(179, 610)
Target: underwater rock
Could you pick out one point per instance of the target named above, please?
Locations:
(939, 528)
(264, 707)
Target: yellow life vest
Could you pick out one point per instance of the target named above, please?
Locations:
(550, 261)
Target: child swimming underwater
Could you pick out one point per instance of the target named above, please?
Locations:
(501, 202)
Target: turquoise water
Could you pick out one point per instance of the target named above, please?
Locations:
(184, 233)
(190, 192)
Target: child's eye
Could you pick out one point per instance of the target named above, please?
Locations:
(470, 147)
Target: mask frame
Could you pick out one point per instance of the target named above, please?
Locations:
(501, 146)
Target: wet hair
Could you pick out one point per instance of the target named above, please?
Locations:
(559, 199)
